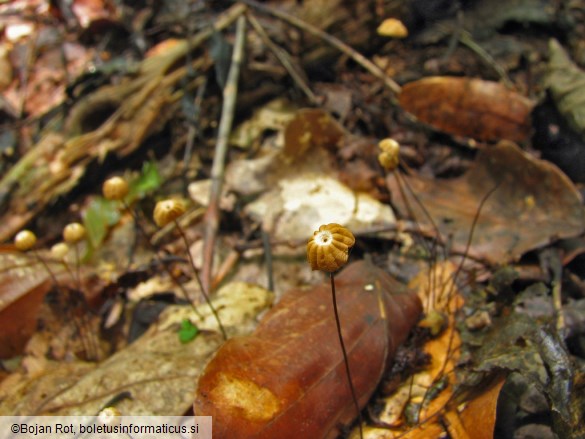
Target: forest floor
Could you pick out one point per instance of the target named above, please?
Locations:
(448, 137)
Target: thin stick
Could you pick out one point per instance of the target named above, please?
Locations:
(283, 57)
(471, 233)
(333, 41)
(230, 93)
(226, 266)
(345, 360)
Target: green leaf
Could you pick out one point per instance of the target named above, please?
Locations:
(188, 331)
(148, 181)
(99, 216)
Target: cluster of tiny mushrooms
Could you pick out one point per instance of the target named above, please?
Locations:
(327, 250)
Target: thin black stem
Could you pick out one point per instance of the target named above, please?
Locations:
(268, 258)
(432, 250)
(158, 258)
(47, 268)
(345, 360)
(196, 272)
(453, 283)
(77, 269)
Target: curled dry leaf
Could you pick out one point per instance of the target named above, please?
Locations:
(287, 379)
(483, 110)
(530, 192)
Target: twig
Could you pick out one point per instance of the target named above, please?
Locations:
(283, 57)
(333, 41)
(226, 266)
(230, 93)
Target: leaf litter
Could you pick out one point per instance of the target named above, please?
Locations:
(158, 372)
(285, 152)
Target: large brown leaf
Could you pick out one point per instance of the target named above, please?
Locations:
(287, 380)
(475, 108)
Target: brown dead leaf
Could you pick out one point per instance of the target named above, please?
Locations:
(18, 320)
(531, 192)
(288, 378)
(483, 110)
(479, 415)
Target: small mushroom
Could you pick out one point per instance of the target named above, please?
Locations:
(328, 249)
(115, 188)
(25, 240)
(167, 211)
